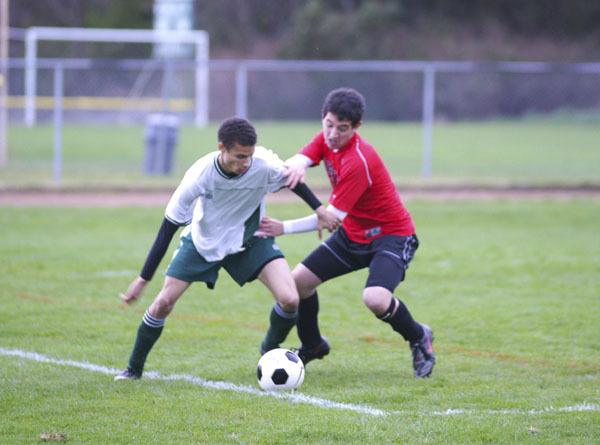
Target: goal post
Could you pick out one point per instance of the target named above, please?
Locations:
(198, 38)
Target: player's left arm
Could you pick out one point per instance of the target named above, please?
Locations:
(278, 180)
(354, 181)
(273, 227)
(326, 218)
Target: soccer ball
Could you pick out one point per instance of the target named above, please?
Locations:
(280, 369)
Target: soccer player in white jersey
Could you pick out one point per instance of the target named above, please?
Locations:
(221, 201)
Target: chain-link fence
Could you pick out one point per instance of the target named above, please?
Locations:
(125, 90)
(443, 115)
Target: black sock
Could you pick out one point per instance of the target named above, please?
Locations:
(147, 334)
(402, 322)
(281, 323)
(308, 324)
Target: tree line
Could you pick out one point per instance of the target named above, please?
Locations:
(355, 29)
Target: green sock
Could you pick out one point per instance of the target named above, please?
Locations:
(147, 334)
(282, 323)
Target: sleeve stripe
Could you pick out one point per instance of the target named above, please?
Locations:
(362, 157)
(171, 220)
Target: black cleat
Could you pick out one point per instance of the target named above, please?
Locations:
(423, 355)
(316, 352)
(128, 374)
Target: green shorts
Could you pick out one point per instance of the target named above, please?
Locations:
(188, 265)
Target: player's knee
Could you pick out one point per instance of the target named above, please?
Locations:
(376, 299)
(306, 291)
(303, 285)
(289, 300)
(162, 306)
(288, 304)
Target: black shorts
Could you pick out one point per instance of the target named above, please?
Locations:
(386, 257)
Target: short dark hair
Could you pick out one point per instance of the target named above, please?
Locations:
(346, 104)
(236, 129)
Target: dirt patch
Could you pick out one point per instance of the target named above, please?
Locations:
(159, 198)
(41, 198)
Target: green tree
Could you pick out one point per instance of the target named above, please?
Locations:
(339, 30)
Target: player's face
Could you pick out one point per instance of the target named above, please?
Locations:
(337, 133)
(237, 159)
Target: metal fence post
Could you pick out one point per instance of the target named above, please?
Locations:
(241, 90)
(161, 147)
(428, 117)
(30, 76)
(4, 35)
(201, 80)
(58, 122)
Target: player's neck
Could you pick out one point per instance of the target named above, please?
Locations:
(224, 170)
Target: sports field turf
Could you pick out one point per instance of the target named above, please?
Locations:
(511, 290)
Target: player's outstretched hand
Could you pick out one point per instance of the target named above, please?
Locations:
(295, 173)
(269, 227)
(134, 291)
(327, 220)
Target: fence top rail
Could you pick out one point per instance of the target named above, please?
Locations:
(320, 65)
(114, 35)
(94, 63)
(416, 65)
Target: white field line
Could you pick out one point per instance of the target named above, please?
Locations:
(292, 397)
(211, 384)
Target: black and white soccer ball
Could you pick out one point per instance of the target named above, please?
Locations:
(280, 369)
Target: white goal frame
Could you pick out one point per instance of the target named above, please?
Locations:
(38, 33)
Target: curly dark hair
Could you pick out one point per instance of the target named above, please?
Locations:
(346, 104)
(236, 129)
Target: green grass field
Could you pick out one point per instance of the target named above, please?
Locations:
(511, 290)
(531, 151)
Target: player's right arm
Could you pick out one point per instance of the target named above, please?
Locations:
(178, 213)
(296, 169)
(310, 155)
(155, 255)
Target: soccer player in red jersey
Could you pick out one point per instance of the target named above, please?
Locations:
(377, 230)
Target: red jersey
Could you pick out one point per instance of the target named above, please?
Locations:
(363, 188)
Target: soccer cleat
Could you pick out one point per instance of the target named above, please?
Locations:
(128, 374)
(317, 352)
(423, 355)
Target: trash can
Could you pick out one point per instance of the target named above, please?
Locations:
(161, 135)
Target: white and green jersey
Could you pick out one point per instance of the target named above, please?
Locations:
(217, 206)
